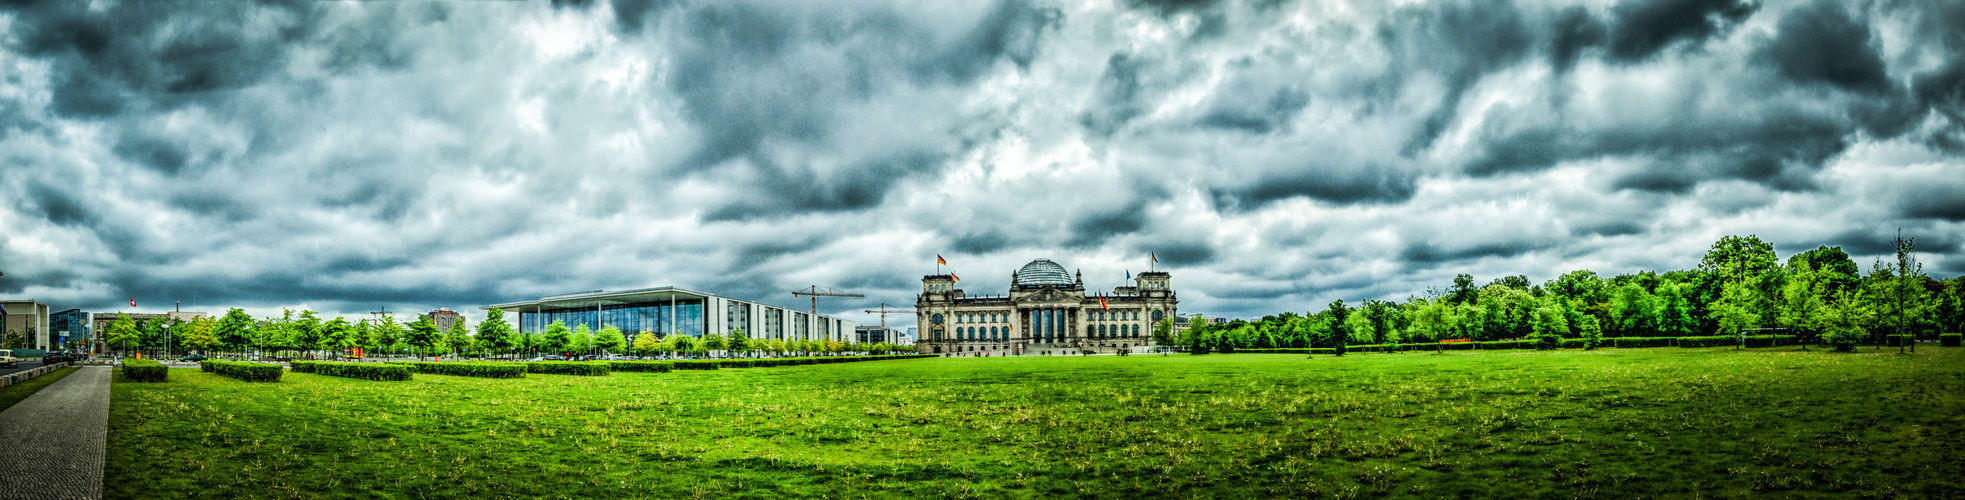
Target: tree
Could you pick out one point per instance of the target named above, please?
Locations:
(338, 335)
(202, 333)
(308, 331)
(1845, 320)
(739, 342)
(1735, 309)
(458, 339)
(1904, 292)
(1339, 331)
(1549, 324)
(385, 334)
(556, 338)
(1592, 332)
(647, 343)
(1463, 291)
(581, 340)
(121, 332)
(423, 335)
(1736, 257)
(1163, 332)
(494, 334)
(235, 329)
(150, 334)
(609, 339)
(1195, 339)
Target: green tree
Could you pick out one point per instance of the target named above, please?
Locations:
(309, 333)
(556, 338)
(1735, 311)
(235, 330)
(494, 334)
(385, 334)
(647, 343)
(202, 333)
(423, 335)
(1845, 320)
(1592, 332)
(1340, 332)
(581, 340)
(1905, 301)
(609, 339)
(337, 335)
(1163, 332)
(150, 334)
(739, 341)
(1736, 257)
(458, 338)
(121, 332)
(1196, 336)
(1549, 324)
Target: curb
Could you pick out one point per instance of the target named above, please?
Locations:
(23, 376)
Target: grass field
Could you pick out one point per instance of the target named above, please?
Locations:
(14, 394)
(1610, 423)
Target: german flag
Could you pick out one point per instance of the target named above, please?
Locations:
(953, 277)
(940, 260)
(1101, 303)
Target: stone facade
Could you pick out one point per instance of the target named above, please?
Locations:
(1046, 312)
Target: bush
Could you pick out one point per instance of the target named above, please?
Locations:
(250, 372)
(1770, 340)
(364, 371)
(144, 370)
(466, 368)
(1897, 340)
(1950, 339)
(1713, 341)
(1624, 342)
(567, 368)
(697, 364)
(1547, 342)
(641, 366)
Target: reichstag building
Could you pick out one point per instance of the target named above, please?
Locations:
(1046, 312)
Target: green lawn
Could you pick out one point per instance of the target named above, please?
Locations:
(13, 394)
(1610, 423)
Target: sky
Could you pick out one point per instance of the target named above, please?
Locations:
(1274, 155)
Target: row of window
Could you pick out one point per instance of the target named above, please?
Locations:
(1002, 333)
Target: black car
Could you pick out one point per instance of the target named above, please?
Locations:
(57, 357)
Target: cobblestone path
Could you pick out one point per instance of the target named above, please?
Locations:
(51, 444)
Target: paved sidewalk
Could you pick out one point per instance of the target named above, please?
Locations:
(51, 444)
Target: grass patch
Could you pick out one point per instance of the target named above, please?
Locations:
(1710, 422)
(15, 393)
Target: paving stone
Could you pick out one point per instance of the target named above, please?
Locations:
(51, 444)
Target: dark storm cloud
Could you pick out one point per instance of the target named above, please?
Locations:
(1821, 43)
(1462, 42)
(1643, 28)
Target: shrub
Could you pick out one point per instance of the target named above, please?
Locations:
(1950, 339)
(466, 368)
(567, 368)
(144, 370)
(250, 372)
(1770, 340)
(641, 366)
(364, 371)
(697, 364)
(1624, 342)
(1547, 342)
(1713, 341)
(1897, 340)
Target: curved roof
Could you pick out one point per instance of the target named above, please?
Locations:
(1043, 272)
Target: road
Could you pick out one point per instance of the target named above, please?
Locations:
(25, 364)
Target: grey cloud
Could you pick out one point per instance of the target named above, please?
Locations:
(1462, 42)
(1821, 43)
(1644, 28)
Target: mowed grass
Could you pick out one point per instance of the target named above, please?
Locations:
(1616, 423)
(14, 394)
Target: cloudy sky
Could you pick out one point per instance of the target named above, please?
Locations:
(1275, 155)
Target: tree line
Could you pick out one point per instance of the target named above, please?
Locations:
(307, 334)
(1739, 287)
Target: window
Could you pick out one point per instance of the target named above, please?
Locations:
(1156, 316)
(936, 319)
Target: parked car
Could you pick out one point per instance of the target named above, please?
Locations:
(53, 357)
(7, 358)
(193, 357)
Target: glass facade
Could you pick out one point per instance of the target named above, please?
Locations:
(630, 318)
(68, 326)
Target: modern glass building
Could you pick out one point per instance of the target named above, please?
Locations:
(73, 325)
(667, 310)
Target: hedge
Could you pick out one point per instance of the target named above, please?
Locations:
(250, 372)
(567, 367)
(697, 364)
(466, 368)
(1642, 341)
(364, 371)
(144, 370)
(1714, 341)
(641, 366)
(1950, 339)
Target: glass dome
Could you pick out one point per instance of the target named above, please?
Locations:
(1043, 272)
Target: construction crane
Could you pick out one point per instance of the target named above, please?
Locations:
(883, 311)
(817, 291)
